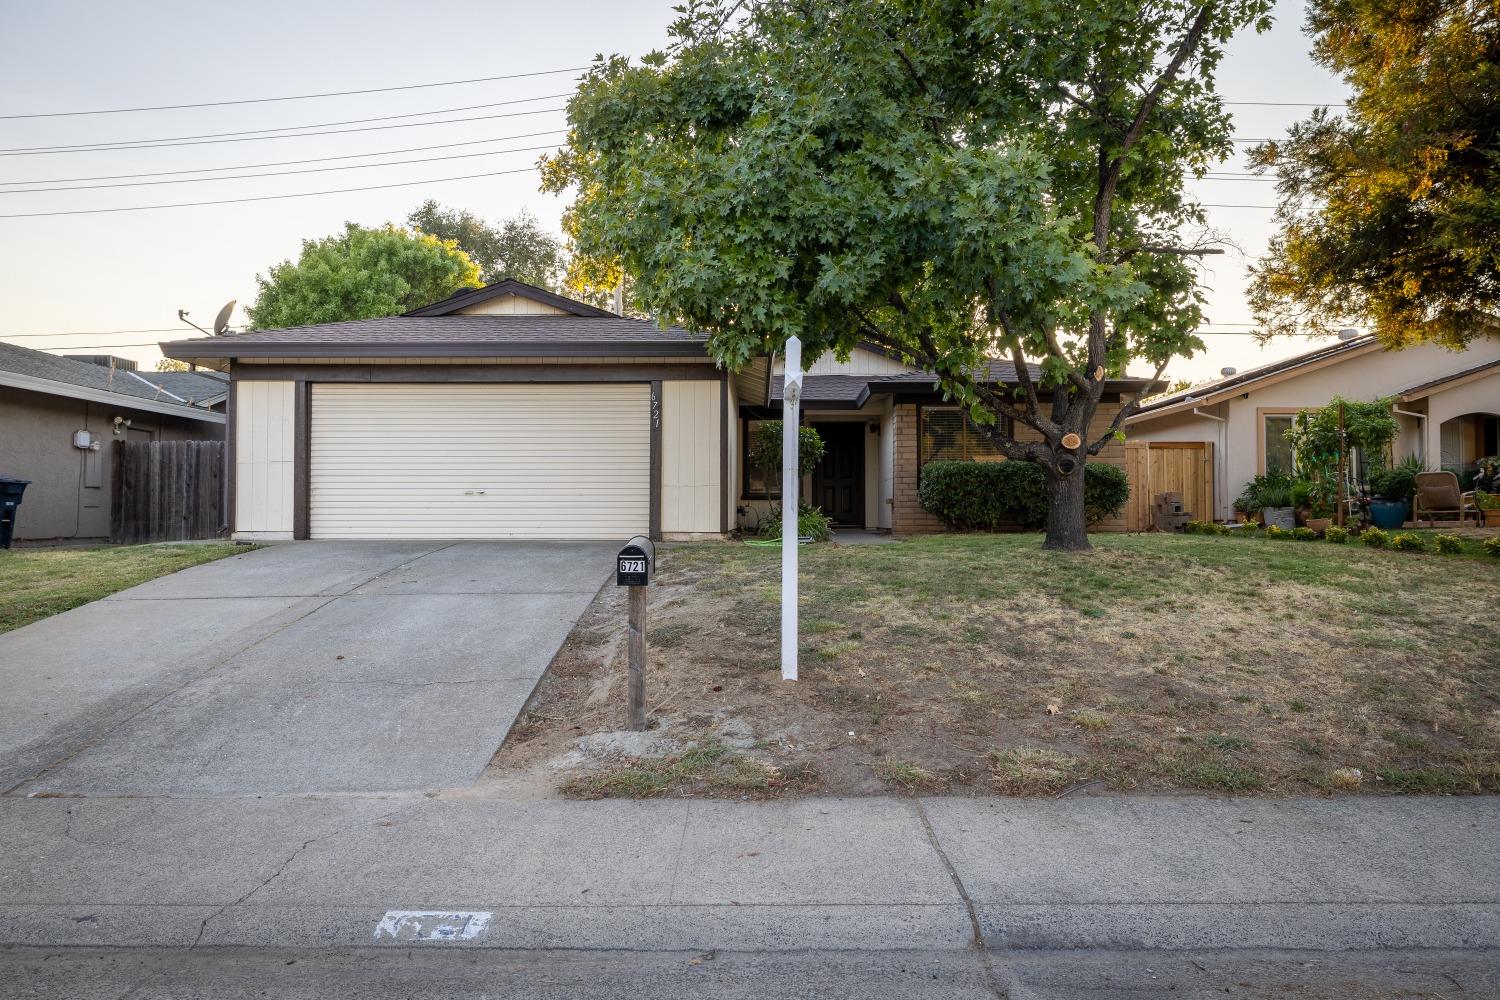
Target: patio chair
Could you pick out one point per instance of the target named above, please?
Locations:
(1438, 493)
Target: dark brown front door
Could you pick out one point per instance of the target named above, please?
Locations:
(838, 483)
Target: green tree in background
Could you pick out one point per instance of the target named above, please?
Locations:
(517, 248)
(952, 180)
(361, 274)
(1390, 212)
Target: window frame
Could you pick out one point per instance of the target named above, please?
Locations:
(746, 493)
(1006, 427)
(1263, 438)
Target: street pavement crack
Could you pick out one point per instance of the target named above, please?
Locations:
(281, 869)
(977, 941)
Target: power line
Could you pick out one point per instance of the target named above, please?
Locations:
(1206, 204)
(287, 163)
(283, 173)
(1288, 104)
(87, 333)
(293, 97)
(268, 197)
(258, 134)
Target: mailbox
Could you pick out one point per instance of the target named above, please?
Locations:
(635, 563)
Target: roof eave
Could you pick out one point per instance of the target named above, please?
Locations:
(70, 390)
(187, 350)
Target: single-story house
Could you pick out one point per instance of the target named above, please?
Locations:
(57, 417)
(1210, 440)
(511, 412)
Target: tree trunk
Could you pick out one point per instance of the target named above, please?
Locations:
(1067, 529)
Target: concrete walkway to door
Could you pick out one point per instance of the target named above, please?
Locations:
(304, 667)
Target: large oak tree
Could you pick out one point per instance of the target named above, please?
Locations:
(951, 180)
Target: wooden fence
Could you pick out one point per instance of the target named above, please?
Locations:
(166, 491)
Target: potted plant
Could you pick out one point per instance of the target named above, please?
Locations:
(1278, 503)
(1489, 506)
(1391, 491)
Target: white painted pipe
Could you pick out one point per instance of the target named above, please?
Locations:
(791, 482)
(1421, 432)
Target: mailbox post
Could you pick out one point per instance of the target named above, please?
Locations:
(633, 568)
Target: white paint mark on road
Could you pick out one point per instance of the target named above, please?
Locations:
(432, 925)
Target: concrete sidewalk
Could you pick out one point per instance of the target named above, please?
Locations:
(929, 875)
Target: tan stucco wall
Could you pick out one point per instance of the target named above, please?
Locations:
(1369, 375)
(69, 495)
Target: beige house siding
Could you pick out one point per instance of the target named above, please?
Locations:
(263, 459)
(512, 305)
(690, 469)
(861, 362)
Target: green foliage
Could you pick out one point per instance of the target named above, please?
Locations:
(1304, 534)
(1492, 546)
(1205, 528)
(1375, 538)
(1486, 501)
(1270, 489)
(360, 274)
(989, 496)
(954, 182)
(1333, 533)
(517, 248)
(1315, 437)
(1275, 531)
(765, 451)
(1406, 541)
(811, 523)
(1398, 482)
(1448, 545)
(1389, 208)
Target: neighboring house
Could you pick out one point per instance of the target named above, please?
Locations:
(1447, 403)
(58, 417)
(511, 412)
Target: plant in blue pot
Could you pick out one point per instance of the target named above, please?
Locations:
(1391, 491)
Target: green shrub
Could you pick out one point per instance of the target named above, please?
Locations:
(1398, 482)
(1304, 534)
(1333, 533)
(1273, 531)
(1205, 528)
(1492, 546)
(1408, 542)
(1375, 538)
(987, 496)
(1449, 545)
(811, 523)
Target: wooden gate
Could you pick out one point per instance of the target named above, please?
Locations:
(163, 491)
(1154, 467)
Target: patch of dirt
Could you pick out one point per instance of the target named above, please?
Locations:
(982, 665)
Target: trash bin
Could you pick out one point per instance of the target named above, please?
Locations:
(10, 499)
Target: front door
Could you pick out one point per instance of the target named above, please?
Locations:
(838, 483)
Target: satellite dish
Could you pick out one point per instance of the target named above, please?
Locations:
(221, 321)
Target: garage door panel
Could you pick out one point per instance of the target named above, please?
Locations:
(479, 461)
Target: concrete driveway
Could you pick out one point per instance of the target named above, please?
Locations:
(307, 667)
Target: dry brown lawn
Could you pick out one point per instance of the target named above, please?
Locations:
(979, 664)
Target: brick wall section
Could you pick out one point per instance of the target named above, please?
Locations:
(907, 515)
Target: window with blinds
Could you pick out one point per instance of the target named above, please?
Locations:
(950, 435)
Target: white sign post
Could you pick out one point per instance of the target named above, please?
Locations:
(791, 482)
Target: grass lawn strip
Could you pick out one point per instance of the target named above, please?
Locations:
(39, 583)
(979, 664)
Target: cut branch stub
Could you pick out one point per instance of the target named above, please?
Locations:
(1071, 441)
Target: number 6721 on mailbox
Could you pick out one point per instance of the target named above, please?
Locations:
(634, 563)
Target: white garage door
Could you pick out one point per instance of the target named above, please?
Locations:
(480, 461)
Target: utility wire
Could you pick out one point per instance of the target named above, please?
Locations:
(267, 197)
(86, 333)
(1288, 104)
(293, 97)
(283, 173)
(256, 135)
(287, 163)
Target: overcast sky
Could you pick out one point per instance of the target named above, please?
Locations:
(130, 271)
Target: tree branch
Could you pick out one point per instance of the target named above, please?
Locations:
(1127, 409)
